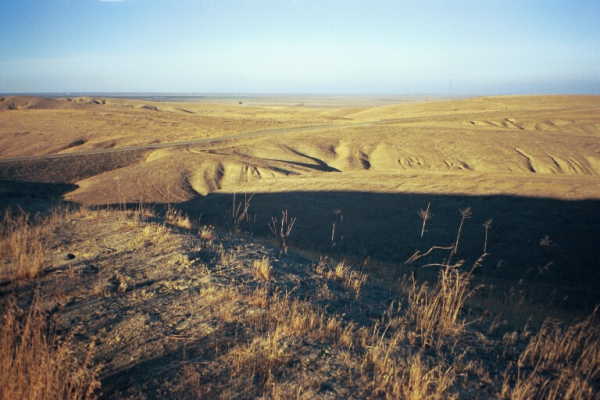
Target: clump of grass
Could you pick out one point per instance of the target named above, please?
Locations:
(412, 378)
(135, 216)
(225, 257)
(341, 270)
(207, 232)
(436, 310)
(153, 232)
(350, 279)
(120, 282)
(421, 381)
(22, 247)
(262, 269)
(267, 345)
(36, 364)
(558, 363)
(148, 234)
(262, 358)
(295, 318)
(177, 218)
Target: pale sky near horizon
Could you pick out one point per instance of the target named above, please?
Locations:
(301, 46)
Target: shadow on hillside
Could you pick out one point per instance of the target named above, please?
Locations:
(546, 247)
(34, 197)
(543, 242)
(72, 168)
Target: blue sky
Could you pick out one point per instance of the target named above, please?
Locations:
(301, 46)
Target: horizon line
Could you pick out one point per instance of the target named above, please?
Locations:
(291, 93)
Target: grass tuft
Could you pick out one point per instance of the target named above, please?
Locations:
(350, 279)
(207, 233)
(262, 269)
(177, 218)
(436, 310)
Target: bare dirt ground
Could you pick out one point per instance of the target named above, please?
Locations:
(156, 300)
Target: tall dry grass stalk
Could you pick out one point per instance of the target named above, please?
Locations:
(21, 246)
(452, 249)
(465, 213)
(487, 225)
(36, 364)
(240, 211)
(282, 228)
(425, 215)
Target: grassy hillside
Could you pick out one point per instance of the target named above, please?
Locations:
(150, 304)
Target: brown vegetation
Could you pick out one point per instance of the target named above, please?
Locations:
(263, 269)
(273, 343)
(22, 248)
(282, 228)
(558, 363)
(36, 363)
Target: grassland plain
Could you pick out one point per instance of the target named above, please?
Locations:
(372, 301)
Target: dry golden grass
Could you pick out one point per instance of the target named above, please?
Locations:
(37, 364)
(207, 232)
(384, 369)
(226, 258)
(262, 269)
(391, 369)
(261, 358)
(411, 378)
(350, 279)
(22, 246)
(262, 335)
(146, 234)
(177, 218)
(558, 363)
(136, 216)
(154, 231)
(436, 310)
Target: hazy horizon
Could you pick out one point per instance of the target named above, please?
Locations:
(434, 48)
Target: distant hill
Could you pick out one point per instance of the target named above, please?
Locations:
(43, 103)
